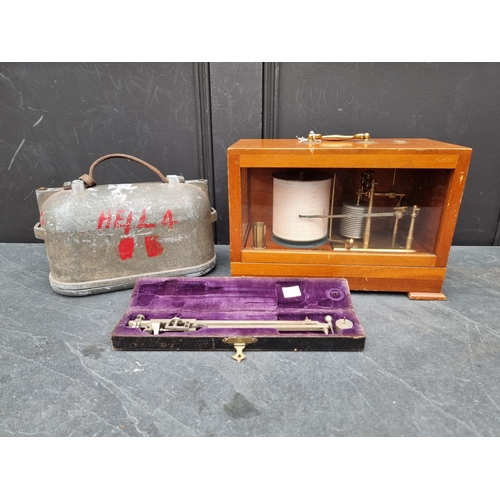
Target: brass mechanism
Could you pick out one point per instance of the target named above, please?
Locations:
(365, 197)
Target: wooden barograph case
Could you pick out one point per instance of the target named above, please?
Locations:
(379, 212)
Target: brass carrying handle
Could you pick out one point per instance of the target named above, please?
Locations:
(317, 137)
(89, 181)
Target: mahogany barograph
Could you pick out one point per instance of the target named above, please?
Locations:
(380, 213)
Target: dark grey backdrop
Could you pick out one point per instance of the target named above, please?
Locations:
(57, 118)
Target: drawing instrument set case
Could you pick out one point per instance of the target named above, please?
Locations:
(239, 314)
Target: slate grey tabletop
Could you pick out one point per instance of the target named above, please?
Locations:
(428, 368)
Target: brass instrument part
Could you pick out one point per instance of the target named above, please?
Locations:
(409, 239)
(319, 137)
(239, 343)
(351, 216)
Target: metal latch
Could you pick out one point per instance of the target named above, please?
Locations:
(239, 343)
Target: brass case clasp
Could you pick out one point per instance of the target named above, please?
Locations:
(239, 343)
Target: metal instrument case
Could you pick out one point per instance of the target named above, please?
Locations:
(101, 238)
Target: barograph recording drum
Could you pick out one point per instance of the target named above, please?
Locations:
(354, 222)
(298, 194)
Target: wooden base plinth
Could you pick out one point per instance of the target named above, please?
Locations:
(361, 278)
(426, 296)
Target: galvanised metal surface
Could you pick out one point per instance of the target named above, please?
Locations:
(103, 238)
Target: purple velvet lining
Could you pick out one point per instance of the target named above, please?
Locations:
(240, 299)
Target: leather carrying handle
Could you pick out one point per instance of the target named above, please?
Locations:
(89, 181)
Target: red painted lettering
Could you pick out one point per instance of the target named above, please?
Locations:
(126, 248)
(168, 219)
(142, 221)
(153, 246)
(104, 218)
(119, 218)
(128, 224)
(42, 222)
